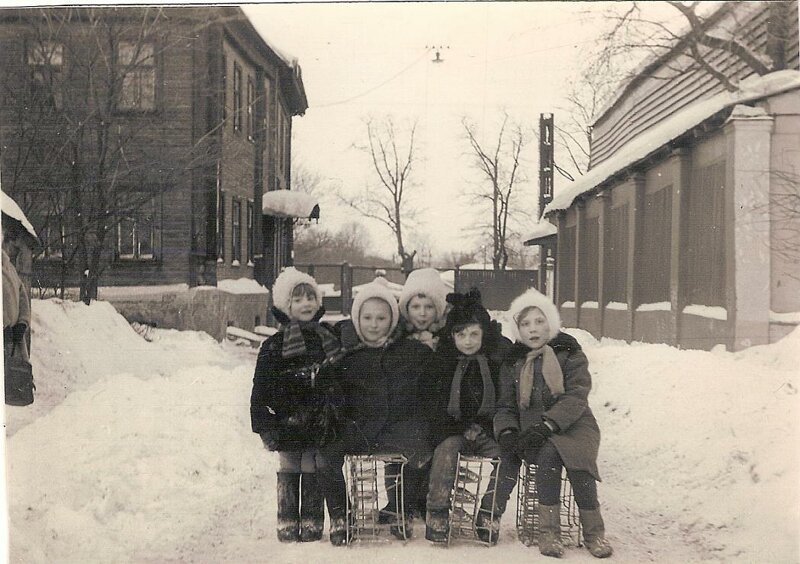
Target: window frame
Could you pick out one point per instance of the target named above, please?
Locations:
(148, 65)
(236, 231)
(250, 225)
(50, 72)
(221, 227)
(251, 114)
(156, 217)
(237, 97)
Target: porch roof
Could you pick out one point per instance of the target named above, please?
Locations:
(288, 203)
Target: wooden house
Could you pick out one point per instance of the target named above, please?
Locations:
(679, 232)
(173, 122)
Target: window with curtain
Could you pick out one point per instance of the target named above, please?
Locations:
(136, 61)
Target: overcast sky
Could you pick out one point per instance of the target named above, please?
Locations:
(372, 59)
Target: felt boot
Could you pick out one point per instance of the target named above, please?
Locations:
(288, 506)
(437, 525)
(594, 533)
(550, 531)
(312, 510)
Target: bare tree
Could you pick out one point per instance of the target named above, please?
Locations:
(499, 166)
(388, 200)
(88, 127)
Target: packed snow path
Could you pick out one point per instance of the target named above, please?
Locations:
(141, 451)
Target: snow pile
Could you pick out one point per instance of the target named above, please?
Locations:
(289, 203)
(150, 457)
(11, 209)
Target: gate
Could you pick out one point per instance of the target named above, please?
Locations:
(498, 287)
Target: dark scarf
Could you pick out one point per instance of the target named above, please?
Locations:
(295, 345)
(487, 404)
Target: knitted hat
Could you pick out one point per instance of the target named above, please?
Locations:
(426, 282)
(285, 284)
(374, 289)
(534, 298)
(467, 308)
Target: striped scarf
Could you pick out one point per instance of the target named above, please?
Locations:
(551, 371)
(295, 345)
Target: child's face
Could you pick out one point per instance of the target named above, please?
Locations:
(469, 339)
(421, 312)
(303, 307)
(534, 330)
(374, 319)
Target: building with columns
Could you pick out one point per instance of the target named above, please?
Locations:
(681, 232)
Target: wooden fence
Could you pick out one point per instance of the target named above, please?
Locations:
(498, 288)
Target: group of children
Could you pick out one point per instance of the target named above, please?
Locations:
(429, 377)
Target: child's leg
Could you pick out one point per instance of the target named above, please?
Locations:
(548, 488)
(330, 460)
(443, 472)
(584, 487)
(288, 495)
(502, 482)
(312, 510)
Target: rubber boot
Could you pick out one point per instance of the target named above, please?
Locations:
(550, 531)
(487, 526)
(288, 506)
(594, 533)
(312, 509)
(337, 514)
(437, 525)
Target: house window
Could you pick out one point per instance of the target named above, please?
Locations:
(251, 110)
(138, 72)
(250, 231)
(237, 97)
(137, 228)
(266, 115)
(221, 227)
(224, 88)
(236, 234)
(46, 62)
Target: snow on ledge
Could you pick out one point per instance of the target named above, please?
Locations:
(617, 305)
(288, 203)
(241, 286)
(540, 229)
(590, 305)
(638, 148)
(11, 209)
(568, 304)
(710, 312)
(789, 318)
(657, 306)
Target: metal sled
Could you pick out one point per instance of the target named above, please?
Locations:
(528, 503)
(364, 500)
(468, 492)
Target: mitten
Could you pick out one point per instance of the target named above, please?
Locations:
(508, 440)
(18, 332)
(534, 437)
(473, 432)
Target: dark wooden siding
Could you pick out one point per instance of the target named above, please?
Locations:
(498, 288)
(652, 279)
(588, 278)
(617, 255)
(704, 238)
(566, 270)
(655, 99)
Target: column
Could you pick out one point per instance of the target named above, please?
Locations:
(682, 166)
(634, 242)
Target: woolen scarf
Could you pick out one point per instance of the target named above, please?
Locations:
(551, 370)
(487, 404)
(295, 345)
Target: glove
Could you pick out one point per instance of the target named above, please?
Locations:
(18, 332)
(508, 440)
(534, 437)
(473, 432)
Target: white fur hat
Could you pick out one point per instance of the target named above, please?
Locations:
(427, 282)
(534, 298)
(374, 289)
(285, 284)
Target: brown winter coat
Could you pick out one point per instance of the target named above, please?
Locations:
(578, 436)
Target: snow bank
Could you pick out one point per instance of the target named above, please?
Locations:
(241, 286)
(150, 457)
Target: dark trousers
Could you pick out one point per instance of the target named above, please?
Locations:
(444, 467)
(548, 478)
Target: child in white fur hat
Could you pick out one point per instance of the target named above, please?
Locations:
(294, 381)
(423, 306)
(543, 414)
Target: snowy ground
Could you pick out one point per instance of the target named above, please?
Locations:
(141, 451)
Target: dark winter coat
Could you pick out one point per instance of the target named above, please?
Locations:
(284, 405)
(386, 393)
(578, 436)
(495, 348)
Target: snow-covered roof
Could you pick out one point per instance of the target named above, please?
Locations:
(289, 203)
(11, 209)
(282, 55)
(752, 88)
(540, 229)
